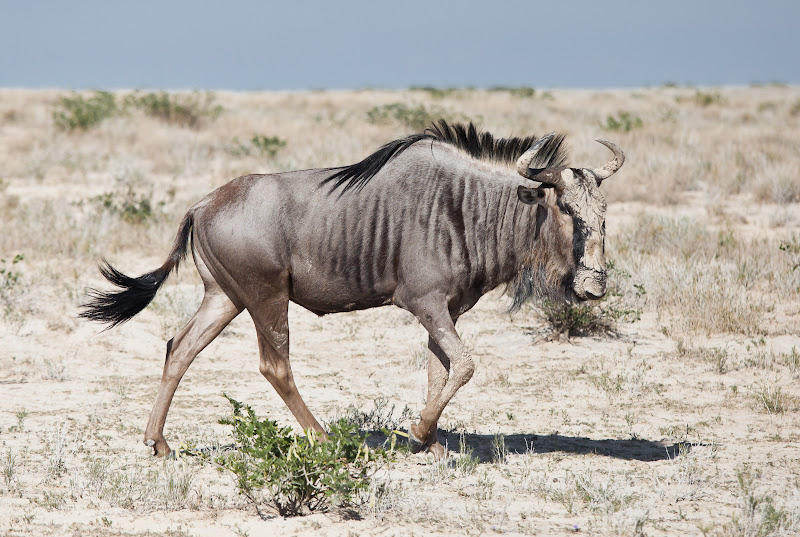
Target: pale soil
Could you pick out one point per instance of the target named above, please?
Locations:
(644, 430)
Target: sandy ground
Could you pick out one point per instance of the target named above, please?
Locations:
(656, 429)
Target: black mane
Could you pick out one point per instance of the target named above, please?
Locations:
(479, 145)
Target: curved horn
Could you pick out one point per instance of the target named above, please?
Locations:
(524, 161)
(608, 169)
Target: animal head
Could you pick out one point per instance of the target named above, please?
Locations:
(579, 208)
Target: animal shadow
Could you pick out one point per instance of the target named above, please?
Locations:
(483, 445)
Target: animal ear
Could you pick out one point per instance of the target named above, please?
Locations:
(530, 196)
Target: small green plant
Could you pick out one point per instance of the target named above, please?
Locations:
(454, 466)
(9, 469)
(759, 516)
(20, 426)
(702, 98)
(261, 145)
(292, 475)
(51, 501)
(131, 207)
(524, 92)
(380, 418)
(772, 399)
(80, 113)
(624, 121)
(9, 283)
(415, 117)
(792, 360)
(795, 109)
(570, 319)
(499, 449)
(792, 248)
(178, 109)
(436, 93)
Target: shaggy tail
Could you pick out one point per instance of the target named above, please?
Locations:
(116, 307)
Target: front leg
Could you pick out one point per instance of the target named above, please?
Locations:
(451, 355)
(438, 373)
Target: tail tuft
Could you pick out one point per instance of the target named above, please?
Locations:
(116, 307)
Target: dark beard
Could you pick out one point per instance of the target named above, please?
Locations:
(533, 283)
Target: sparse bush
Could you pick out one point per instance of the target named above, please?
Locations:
(772, 399)
(261, 145)
(621, 303)
(299, 474)
(9, 469)
(624, 121)
(168, 487)
(380, 418)
(792, 248)
(596, 491)
(706, 99)
(79, 113)
(131, 207)
(759, 515)
(415, 117)
(702, 98)
(454, 466)
(574, 319)
(525, 92)
(436, 93)
(10, 283)
(175, 108)
(792, 360)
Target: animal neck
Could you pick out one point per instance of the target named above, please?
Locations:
(541, 264)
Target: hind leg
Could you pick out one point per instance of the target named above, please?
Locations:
(216, 311)
(272, 325)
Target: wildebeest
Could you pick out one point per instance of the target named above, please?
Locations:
(429, 223)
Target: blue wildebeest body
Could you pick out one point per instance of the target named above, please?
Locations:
(429, 223)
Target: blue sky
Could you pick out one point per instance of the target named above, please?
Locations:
(250, 45)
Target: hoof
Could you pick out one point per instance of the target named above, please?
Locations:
(160, 447)
(438, 451)
(414, 443)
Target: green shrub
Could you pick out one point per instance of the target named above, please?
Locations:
(436, 93)
(9, 283)
(758, 514)
(175, 108)
(415, 117)
(574, 319)
(79, 113)
(525, 92)
(292, 475)
(132, 207)
(625, 121)
(701, 98)
(265, 146)
(621, 303)
(380, 418)
(792, 249)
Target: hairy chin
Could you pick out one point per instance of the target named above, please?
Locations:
(535, 284)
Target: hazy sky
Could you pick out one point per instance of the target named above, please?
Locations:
(251, 45)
